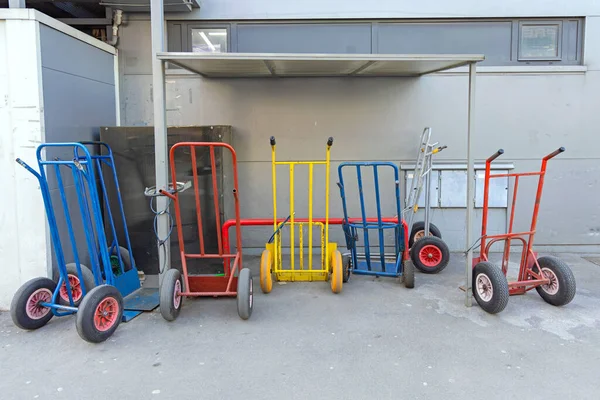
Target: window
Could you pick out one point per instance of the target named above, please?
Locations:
(209, 40)
(540, 41)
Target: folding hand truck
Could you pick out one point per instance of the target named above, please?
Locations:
(394, 264)
(550, 276)
(173, 287)
(96, 295)
(271, 260)
(431, 255)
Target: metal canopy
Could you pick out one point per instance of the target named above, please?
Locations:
(240, 65)
(262, 65)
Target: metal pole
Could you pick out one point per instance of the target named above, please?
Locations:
(16, 4)
(470, 186)
(157, 22)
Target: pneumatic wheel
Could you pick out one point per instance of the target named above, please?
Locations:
(77, 286)
(100, 313)
(490, 287)
(337, 273)
(266, 274)
(245, 296)
(25, 308)
(430, 255)
(408, 274)
(346, 267)
(170, 294)
(128, 261)
(418, 232)
(561, 288)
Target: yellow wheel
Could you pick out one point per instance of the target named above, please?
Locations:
(266, 279)
(337, 273)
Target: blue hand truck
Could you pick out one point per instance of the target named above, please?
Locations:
(384, 264)
(109, 291)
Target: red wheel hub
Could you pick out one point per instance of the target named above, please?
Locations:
(33, 307)
(430, 256)
(76, 290)
(106, 314)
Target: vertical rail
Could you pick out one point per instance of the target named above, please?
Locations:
(429, 161)
(327, 177)
(178, 220)
(115, 242)
(379, 223)
(301, 233)
(506, 255)
(213, 170)
(197, 197)
(63, 198)
(364, 217)
(238, 225)
(292, 227)
(310, 214)
(277, 246)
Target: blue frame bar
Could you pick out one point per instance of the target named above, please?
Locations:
(364, 263)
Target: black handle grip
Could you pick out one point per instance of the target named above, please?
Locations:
(554, 153)
(272, 140)
(330, 141)
(496, 155)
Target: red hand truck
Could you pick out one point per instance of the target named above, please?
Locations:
(235, 281)
(550, 276)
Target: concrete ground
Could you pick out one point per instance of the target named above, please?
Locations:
(376, 340)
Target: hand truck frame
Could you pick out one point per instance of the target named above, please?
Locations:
(550, 276)
(271, 264)
(236, 281)
(392, 265)
(95, 294)
(432, 255)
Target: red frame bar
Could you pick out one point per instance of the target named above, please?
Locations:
(207, 285)
(528, 278)
(332, 221)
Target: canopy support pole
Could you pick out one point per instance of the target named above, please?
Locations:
(470, 187)
(157, 21)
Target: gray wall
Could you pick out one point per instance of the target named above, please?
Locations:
(79, 97)
(316, 9)
(527, 112)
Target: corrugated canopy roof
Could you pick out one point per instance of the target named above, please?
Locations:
(257, 65)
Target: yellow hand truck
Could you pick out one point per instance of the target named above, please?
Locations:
(271, 263)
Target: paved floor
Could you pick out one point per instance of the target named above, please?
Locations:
(376, 340)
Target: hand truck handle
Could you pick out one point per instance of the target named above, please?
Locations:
(330, 141)
(28, 168)
(495, 155)
(437, 150)
(554, 153)
(272, 140)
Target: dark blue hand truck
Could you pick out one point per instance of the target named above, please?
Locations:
(95, 294)
(386, 264)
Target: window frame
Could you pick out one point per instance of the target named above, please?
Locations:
(559, 43)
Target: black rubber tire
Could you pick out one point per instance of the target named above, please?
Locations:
(18, 306)
(436, 242)
(127, 258)
(87, 310)
(88, 282)
(419, 226)
(168, 309)
(346, 267)
(245, 294)
(408, 274)
(566, 281)
(500, 293)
